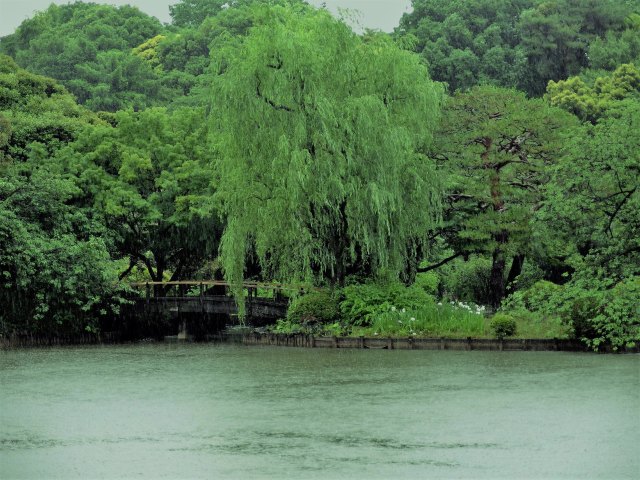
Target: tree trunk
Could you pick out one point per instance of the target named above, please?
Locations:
(340, 247)
(516, 268)
(160, 291)
(497, 288)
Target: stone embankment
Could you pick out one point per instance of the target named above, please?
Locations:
(310, 341)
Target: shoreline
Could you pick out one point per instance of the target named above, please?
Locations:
(311, 341)
(407, 343)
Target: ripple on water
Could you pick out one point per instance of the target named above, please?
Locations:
(205, 412)
(29, 442)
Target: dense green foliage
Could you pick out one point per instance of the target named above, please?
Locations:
(56, 273)
(35, 109)
(314, 307)
(192, 13)
(601, 98)
(523, 43)
(382, 308)
(149, 178)
(88, 48)
(497, 148)
(319, 134)
(267, 140)
(182, 57)
(363, 303)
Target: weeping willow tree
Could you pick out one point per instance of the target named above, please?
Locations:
(319, 136)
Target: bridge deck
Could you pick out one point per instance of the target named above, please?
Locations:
(213, 297)
(254, 306)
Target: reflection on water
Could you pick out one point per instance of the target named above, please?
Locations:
(205, 411)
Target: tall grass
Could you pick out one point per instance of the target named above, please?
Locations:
(431, 320)
(536, 325)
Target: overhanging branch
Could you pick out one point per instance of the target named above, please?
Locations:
(440, 263)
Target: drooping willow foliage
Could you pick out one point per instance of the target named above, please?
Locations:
(320, 134)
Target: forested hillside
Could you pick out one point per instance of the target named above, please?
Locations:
(479, 166)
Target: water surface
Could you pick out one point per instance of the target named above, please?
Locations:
(210, 411)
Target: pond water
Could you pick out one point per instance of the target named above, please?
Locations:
(211, 411)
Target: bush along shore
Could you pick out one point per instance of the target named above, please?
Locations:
(386, 310)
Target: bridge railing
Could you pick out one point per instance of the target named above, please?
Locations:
(216, 288)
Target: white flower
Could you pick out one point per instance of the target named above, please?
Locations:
(413, 319)
(375, 334)
(393, 309)
(403, 310)
(439, 304)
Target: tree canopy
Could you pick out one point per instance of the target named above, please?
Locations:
(486, 150)
(523, 43)
(148, 177)
(319, 138)
(88, 48)
(56, 273)
(601, 98)
(35, 109)
(191, 13)
(497, 147)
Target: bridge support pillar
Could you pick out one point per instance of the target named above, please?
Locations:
(182, 333)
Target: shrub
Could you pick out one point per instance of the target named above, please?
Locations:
(363, 303)
(313, 308)
(287, 327)
(469, 280)
(503, 326)
(598, 312)
(429, 282)
(618, 320)
(332, 330)
(536, 325)
(540, 296)
(539, 309)
(580, 310)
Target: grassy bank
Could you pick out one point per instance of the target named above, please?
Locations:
(451, 320)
